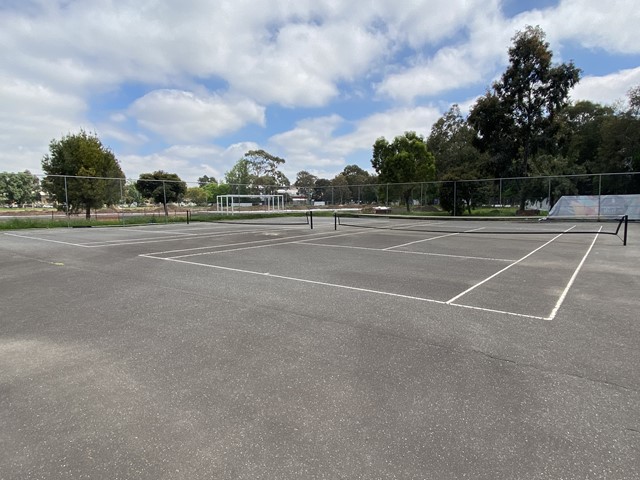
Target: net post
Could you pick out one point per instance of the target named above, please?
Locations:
(335, 220)
(311, 218)
(626, 223)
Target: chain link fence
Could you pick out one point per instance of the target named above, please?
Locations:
(77, 198)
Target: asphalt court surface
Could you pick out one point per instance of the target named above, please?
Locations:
(462, 270)
(278, 351)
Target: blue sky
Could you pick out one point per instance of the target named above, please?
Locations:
(189, 86)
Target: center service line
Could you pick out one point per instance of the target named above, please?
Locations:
(432, 238)
(505, 268)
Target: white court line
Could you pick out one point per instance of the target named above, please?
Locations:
(132, 229)
(506, 268)
(573, 278)
(274, 242)
(433, 238)
(143, 241)
(294, 279)
(493, 310)
(405, 252)
(344, 287)
(136, 241)
(47, 240)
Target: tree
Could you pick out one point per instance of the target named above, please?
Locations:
(406, 160)
(19, 188)
(256, 173)
(212, 191)
(82, 173)
(162, 187)
(131, 195)
(457, 159)
(340, 190)
(597, 139)
(265, 168)
(359, 181)
(305, 183)
(518, 117)
(205, 180)
(322, 191)
(634, 101)
(197, 195)
(239, 177)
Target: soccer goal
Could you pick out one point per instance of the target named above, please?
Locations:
(230, 204)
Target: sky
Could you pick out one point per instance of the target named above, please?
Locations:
(189, 86)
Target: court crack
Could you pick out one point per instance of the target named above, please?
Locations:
(554, 372)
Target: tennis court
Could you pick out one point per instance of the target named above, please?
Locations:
(275, 350)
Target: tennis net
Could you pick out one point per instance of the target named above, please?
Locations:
(273, 218)
(617, 226)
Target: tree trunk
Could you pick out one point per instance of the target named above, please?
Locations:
(88, 213)
(407, 200)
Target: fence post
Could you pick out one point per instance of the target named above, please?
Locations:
(599, 193)
(455, 196)
(66, 201)
(166, 207)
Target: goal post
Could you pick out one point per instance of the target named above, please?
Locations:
(229, 204)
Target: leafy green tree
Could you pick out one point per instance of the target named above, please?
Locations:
(131, 194)
(162, 187)
(265, 169)
(256, 173)
(403, 161)
(457, 160)
(82, 172)
(19, 188)
(451, 142)
(239, 177)
(599, 139)
(516, 121)
(205, 180)
(212, 191)
(197, 195)
(322, 191)
(340, 190)
(359, 181)
(305, 182)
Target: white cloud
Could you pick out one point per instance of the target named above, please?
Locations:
(185, 116)
(201, 70)
(610, 25)
(465, 63)
(608, 89)
(313, 145)
(189, 161)
(33, 114)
